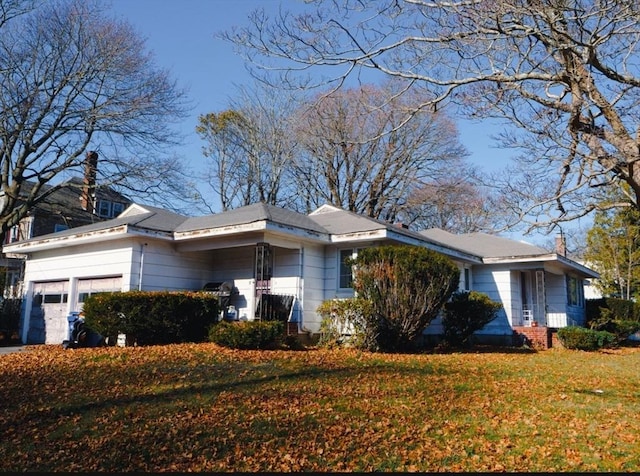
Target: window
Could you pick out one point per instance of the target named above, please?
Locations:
(467, 279)
(55, 298)
(82, 297)
(60, 227)
(21, 231)
(574, 291)
(108, 209)
(117, 209)
(346, 272)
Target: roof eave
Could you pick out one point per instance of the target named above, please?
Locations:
(260, 225)
(54, 242)
(544, 258)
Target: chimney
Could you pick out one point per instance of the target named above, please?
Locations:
(561, 245)
(89, 181)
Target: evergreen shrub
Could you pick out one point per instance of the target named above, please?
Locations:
(152, 318)
(581, 338)
(343, 322)
(248, 334)
(407, 287)
(466, 313)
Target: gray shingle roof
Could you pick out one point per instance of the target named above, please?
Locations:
(157, 219)
(251, 214)
(484, 245)
(339, 222)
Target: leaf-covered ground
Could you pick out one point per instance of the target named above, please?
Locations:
(200, 407)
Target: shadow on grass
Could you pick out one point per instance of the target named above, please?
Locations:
(63, 409)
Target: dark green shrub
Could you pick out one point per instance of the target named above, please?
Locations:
(248, 334)
(10, 314)
(610, 308)
(466, 313)
(620, 317)
(407, 287)
(581, 338)
(152, 318)
(343, 322)
(621, 328)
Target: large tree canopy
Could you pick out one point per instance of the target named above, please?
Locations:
(73, 80)
(365, 149)
(368, 150)
(251, 147)
(563, 72)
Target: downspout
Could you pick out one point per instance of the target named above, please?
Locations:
(27, 304)
(142, 245)
(301, 290)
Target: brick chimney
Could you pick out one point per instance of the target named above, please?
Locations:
(87, 195)
(561, 245)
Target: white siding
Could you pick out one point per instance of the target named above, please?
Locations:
(313, 279)
(164, 269)
(236, 265)
(91, 260)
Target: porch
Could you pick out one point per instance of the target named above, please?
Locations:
(536, 337)
(538, 328)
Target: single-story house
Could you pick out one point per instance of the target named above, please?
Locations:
(261, 251)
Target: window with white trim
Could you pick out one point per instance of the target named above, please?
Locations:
(345, 278)
(109, 209)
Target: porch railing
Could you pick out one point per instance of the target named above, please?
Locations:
(551, 318)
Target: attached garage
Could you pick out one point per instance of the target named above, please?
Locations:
(53, 300)
(48, 322)
(89, 286)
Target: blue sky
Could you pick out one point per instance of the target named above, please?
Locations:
(180, 34)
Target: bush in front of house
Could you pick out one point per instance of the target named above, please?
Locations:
(407, 287)
(620, 317)
(466, 313)
(344, 322)
(10, 321)
(152, 318)
(581, 338)
(248, 335)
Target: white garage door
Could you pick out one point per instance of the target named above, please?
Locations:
(87, 287)
(48, 323)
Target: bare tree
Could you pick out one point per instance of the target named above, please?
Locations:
(251, 147)
(456, 202)
(73, 80)
(563, 73)
(367, 150)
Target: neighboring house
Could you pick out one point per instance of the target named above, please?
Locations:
(79, 202)
(263, 251)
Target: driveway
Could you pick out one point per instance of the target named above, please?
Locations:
(11, 348)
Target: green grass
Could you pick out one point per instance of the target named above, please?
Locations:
(200, 407)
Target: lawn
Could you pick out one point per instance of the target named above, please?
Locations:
(200, 407)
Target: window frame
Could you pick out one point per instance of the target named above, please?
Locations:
(343, 274)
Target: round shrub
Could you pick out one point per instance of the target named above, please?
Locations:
(466, 313)
(407, 287)
(247, 335)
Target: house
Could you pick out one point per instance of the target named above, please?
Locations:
(78, 202)
(261, 252)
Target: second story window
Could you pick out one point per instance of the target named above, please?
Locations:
(109, 209)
